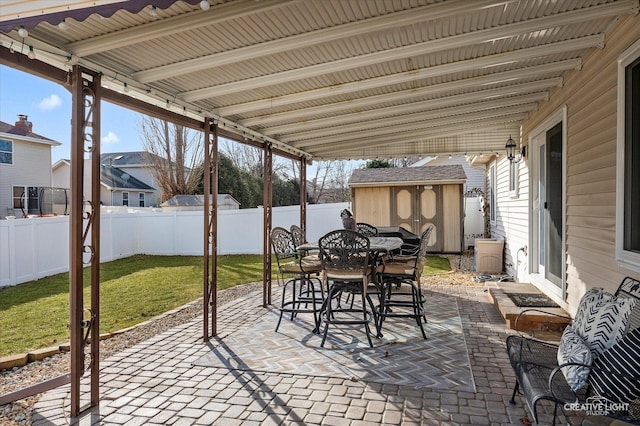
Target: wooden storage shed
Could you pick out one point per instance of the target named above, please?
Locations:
(413, 197)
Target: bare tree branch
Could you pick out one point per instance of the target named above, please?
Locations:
(173, 151)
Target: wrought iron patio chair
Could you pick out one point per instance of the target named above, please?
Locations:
(394, 276)
(302, 290)
(366, 229)
(346, 268)
(298, 240)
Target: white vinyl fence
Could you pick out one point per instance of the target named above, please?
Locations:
(38, 247)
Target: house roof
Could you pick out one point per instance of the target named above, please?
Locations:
(116, 178)
(134, 158)
(327, 79)
(23, 134)
(395, 176)
(194, 200)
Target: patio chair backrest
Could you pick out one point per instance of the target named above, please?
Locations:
(344, 250)
(296, 234)
(630, 287)
(366, 229)
(282, 244)
(422, 251)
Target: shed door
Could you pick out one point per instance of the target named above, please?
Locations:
(416, 207)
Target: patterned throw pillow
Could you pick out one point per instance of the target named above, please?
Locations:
(605, 323)
(572, 348)
(591, 298)
(623, 357)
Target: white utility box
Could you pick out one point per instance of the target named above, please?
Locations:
(488, 253)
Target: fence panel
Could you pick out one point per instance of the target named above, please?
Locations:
(37, 247)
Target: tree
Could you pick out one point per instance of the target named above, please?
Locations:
(173, 151)
(378, 164)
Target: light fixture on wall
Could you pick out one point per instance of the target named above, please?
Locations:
(515, 152)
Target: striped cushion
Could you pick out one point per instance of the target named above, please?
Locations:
(572, 348)
(623, 357)
(605, 323)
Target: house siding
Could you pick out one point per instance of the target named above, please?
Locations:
(31, 167)
(512, 216)
(475, 175)
(589, 96)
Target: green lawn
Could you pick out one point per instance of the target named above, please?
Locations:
(36, 314)
(436, 265)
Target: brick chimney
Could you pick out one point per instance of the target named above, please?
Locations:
(23, 123)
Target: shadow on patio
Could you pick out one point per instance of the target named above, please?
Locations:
(252, 375)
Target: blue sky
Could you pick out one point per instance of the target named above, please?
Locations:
(48, 106)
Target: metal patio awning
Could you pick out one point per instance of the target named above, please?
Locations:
(326, 79)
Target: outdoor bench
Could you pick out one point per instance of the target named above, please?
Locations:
(596, 365)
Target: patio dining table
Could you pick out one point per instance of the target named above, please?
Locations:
(377, 245)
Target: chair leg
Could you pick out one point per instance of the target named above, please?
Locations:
(418, 311)
(512, 401)
(329, 315)
(364, 313)
(284, 293)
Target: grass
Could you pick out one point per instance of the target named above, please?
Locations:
(36, 314)
(132, 290)
(436, 265)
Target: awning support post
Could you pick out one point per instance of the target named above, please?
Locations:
(210, 252)
(84, 219)
(268, 211)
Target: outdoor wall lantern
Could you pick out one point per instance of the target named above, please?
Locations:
(515, 152)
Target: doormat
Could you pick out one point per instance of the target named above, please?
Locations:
(532, 300)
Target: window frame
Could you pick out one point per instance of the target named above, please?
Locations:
(11, 144)
(626, 258)
(493, 199)
(141, 199)
(123, 198)
(514, 179)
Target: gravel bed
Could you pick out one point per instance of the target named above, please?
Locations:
(19, 413)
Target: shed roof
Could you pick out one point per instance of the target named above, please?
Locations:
(395, 176)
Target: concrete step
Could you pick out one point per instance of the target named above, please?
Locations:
(544, 325)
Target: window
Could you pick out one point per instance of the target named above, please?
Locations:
(141, 199)
(628, 155)
(491, 193)
(19, 195)
(514, 172)
(26, 199)
(125, 198)
(6, 152)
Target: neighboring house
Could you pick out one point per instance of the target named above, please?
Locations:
(570, 210)
(117, 188)
(414, 198)
(475, 174)
(196, 202)
(25, 170)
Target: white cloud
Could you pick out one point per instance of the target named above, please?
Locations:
(50, 103)
(110, 139)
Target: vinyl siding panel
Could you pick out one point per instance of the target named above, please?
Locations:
(31, 167)
(590, 98)
(512, 216)
(475, 176)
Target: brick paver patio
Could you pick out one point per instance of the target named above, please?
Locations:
(156, 382)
